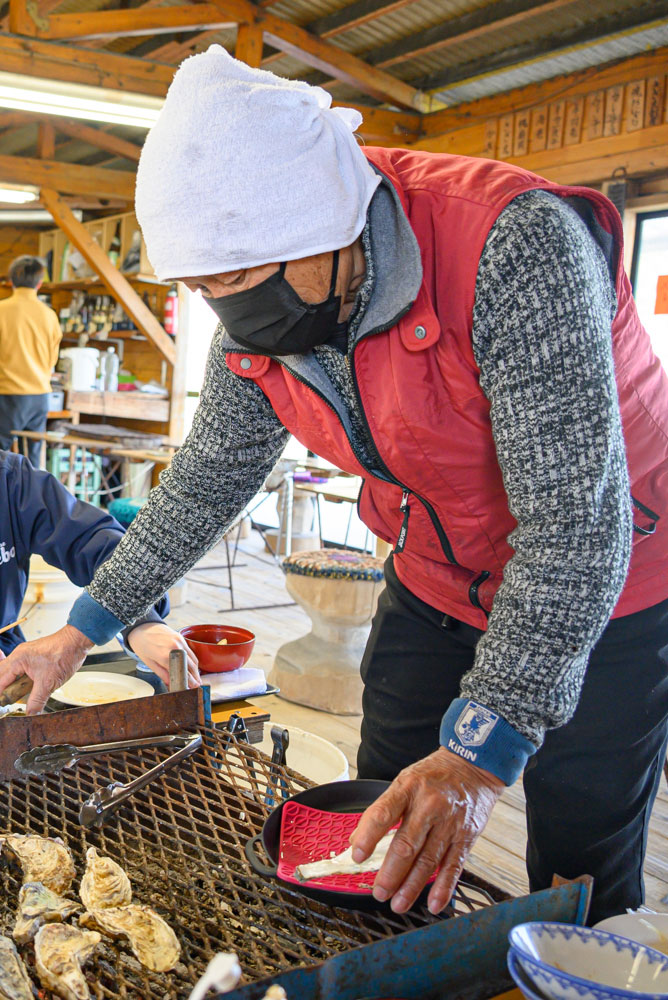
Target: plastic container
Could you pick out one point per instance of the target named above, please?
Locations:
(111, 368)
(310, 755)
(81, 367)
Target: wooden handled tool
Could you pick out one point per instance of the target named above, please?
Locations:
(17, 690)
(19, 621)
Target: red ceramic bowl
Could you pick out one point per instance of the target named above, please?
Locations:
(214, 659)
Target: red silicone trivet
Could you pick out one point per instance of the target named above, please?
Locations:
(310, 835)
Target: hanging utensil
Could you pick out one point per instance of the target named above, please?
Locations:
(96, 810)
(48, 759)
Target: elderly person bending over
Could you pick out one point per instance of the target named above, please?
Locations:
(459, 333)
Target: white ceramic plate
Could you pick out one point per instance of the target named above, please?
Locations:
(646, 928)
(94, 687)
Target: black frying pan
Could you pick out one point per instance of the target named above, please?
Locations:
(336, 796)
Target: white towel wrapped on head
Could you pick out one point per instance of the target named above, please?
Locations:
(244, 168)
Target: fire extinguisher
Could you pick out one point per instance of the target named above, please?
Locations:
(172, 311)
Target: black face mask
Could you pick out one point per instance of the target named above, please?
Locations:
(271, 318)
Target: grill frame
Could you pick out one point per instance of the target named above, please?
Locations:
(181, 842)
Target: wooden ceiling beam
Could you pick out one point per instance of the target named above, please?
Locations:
(249, 44)
(101, 140)
(112, 278)
(68, 177)
(324, 56)
(74, 129)
(46, 141)
(352, 16)
(132, 22)
(55, 61)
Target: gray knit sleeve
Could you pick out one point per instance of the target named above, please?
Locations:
(235, 441)
(542, 340)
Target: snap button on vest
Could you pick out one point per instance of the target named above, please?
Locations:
(420, 332)
(245, 363)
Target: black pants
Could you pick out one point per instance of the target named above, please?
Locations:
(23, 413)
(591, 786)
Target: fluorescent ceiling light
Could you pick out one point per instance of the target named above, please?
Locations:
(25, 215)
(17, 196)
(73, 100)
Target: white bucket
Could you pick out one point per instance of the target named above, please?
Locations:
(82, 364)
(308, 754)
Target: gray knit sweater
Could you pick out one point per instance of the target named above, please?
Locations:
(541, 337)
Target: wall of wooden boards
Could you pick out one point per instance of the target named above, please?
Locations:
(14, 242)
(578, 129)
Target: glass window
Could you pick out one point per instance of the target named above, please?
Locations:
(650, 261)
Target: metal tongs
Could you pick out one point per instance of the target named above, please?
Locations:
(96, 810)
(54, 757)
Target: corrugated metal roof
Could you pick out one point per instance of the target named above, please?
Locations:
(581, 57)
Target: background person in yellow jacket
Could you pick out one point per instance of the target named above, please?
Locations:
(29, 340)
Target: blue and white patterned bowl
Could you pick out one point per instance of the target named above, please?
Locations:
(577, 963)
(522, 980)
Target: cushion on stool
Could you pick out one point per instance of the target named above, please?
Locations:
(126, 509)
(337, 564)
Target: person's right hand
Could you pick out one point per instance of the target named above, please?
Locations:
(49, 662)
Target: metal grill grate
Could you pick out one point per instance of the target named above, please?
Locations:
(181, 842)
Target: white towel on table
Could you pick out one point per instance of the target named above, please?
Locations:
(240, 683)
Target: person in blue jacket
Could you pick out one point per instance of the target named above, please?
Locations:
(39, 516)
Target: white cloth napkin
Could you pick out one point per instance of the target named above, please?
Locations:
(241, 683)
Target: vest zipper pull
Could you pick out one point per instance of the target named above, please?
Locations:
(401, 540)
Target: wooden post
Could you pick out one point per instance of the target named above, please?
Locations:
(46, 141)
(249, 44)
(119, 287)
(20, 21)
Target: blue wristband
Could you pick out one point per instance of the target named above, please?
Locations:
(477, 734)
(96, 623)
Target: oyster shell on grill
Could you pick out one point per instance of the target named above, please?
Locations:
(37, 906)
(104, 883)
(14, 980)
(152, 940)
(42, 859)
(60, 951)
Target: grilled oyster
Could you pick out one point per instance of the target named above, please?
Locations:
(104, 883)
(43, 859)
(343, 864)
(14, 981)
(151, 939)
(37, 906)
(60, 951)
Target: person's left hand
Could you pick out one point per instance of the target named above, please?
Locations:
(443, 803)
(152, 642)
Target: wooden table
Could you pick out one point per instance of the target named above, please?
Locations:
(95, 445)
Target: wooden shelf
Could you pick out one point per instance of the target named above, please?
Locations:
(82, 284)
(113, 335)
(132, 405)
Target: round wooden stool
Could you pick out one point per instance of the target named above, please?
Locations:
(338, 590)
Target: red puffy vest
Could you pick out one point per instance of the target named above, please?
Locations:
(419, 387)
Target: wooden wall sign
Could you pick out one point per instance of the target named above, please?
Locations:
(538, 137)
(614, 102)
(555, 125)
(635, 106)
